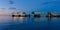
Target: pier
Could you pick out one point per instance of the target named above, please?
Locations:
(34, 14)
(49, 14)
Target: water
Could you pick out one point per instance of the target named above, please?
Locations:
(29, 23)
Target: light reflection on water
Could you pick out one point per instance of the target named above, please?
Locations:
(28, 22)
(9, 19)
(19, 19)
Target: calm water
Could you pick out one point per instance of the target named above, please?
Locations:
(29, 23)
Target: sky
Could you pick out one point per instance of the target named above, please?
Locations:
(29, 5)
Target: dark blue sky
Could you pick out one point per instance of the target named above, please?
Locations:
(30, 5)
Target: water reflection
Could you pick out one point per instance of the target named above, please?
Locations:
(5, 20)
(51, 19)
(9, 20)
(28, 22)
(45, 19)
(20, 19)
(37, 19)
